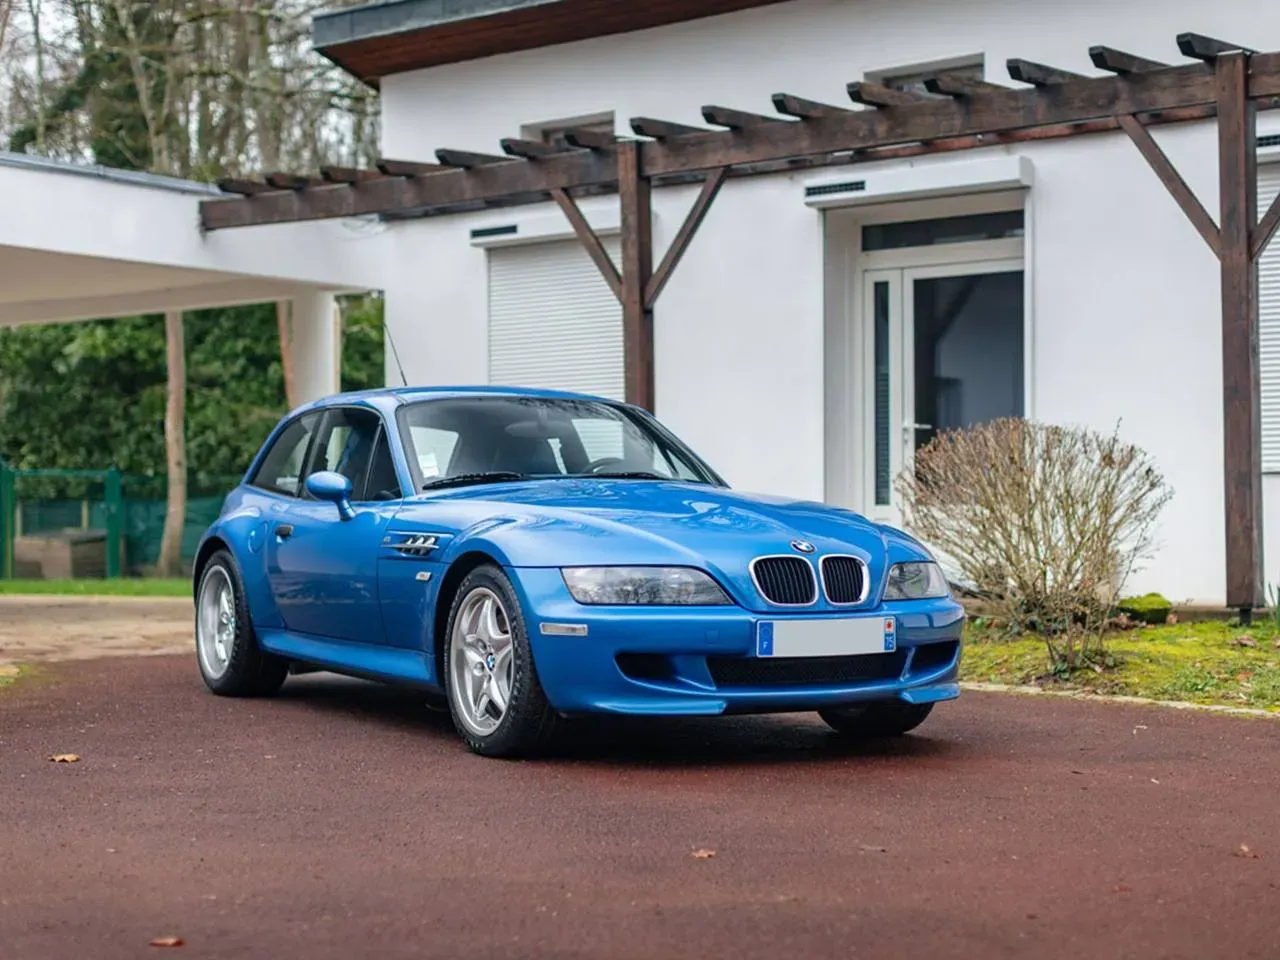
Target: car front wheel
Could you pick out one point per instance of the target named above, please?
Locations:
(231, 661)
(890, 718)
(497, 702)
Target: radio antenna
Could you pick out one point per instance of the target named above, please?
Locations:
(394, 352)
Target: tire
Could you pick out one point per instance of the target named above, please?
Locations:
(477, 662)
(889, 718)
(232, 663)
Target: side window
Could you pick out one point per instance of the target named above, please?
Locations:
(382, 482)
(281, 469)
(345, 445)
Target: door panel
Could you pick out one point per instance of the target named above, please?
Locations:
(943, 348)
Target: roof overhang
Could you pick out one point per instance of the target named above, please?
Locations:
(381, 39)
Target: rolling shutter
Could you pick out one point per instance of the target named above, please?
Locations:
(553, 321)
(1269, 325)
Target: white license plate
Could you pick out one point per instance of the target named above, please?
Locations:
(834, 637)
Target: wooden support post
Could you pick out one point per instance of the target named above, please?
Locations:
(697, 213)
(589, 240)
(637, 268)
(1237, 177)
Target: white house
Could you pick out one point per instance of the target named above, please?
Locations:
(824, 322)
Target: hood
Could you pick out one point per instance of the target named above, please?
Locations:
(584, 522)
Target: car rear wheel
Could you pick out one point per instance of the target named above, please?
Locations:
(890, 718)
(497, 702)
(231, 661)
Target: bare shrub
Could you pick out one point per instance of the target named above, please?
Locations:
(1047, 522)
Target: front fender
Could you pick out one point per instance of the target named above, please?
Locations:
(243, 528)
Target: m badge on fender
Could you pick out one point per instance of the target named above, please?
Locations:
(890, 635)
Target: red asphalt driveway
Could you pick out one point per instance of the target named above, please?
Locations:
(345, 820)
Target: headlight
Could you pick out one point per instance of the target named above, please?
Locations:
(916, 581)
(668, 586)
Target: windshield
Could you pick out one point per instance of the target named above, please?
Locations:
(475, 439)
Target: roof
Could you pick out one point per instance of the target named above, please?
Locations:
(409, 394)
(396, 36)
(135, 178)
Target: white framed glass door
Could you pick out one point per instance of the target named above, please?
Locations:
(943, 348)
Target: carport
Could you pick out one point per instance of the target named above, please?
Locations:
(82, 242)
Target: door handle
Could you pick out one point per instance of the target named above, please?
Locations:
(284, 531)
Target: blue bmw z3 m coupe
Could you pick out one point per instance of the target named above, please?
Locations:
(532, 555)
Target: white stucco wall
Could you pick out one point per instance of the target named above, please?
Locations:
(1124, 293)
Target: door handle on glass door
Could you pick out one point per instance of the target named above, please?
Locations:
(909, 430)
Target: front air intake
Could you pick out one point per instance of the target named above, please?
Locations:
(785, 581)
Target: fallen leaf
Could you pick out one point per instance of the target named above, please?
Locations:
(1246, 853)
(1121, 888)
(65, 758)
(1245, 641)
(871, 848)
(168, 942)
(703, 854)
(1154, 780)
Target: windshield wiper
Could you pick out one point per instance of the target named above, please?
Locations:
(465, 479)
(625, 475)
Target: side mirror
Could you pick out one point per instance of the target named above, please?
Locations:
(334, 487)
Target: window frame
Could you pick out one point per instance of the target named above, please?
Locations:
(255, 469)
(314, 452)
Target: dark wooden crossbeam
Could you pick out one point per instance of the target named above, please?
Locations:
(662, 129)
(528, 149)
(1266, 228)
(735, 119)
(1169, 176)
(290, 181)
(591, 139)
(957, 86)
(1117, 61)
(246, 188)
(875, 95)
(348, 175)
(802, 109)
(1199, 47)
(468, 160)
(1037, 74)
(408, 168)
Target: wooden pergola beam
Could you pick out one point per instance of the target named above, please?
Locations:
(1199, 47)
(662, 129)
(243, 187)
(1177, 187)
(528, 149)
(683, 150)
(348, 175)
(736, 119)
(590, 240)
(1119, 62)
(467, 160)
(407, 168)
(1037, 74)
(680, 244)
(802, 109)
(1266, 228)
(875, 95)
(289, 181)
(956, 86)
(590, 139)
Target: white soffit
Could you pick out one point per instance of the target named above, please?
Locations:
(852, 187)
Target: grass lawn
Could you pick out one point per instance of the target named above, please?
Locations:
(1195, 662)
(124, 587)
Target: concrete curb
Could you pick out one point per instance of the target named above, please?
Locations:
(1026, 690)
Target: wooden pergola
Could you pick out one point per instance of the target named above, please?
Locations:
(1226, 81)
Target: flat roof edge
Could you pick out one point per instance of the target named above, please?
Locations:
(336, 27)
(136, 178)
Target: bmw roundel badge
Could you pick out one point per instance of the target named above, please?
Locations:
(804, 546)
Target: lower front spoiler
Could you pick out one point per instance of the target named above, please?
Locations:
(653, 703)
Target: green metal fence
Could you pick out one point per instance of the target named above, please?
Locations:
(127, 511)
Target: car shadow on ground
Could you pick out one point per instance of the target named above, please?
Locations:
(636, 741)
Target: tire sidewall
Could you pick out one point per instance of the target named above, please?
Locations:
(249, 670)
(527, 705)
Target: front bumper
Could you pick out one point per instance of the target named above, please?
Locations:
(701, 660)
